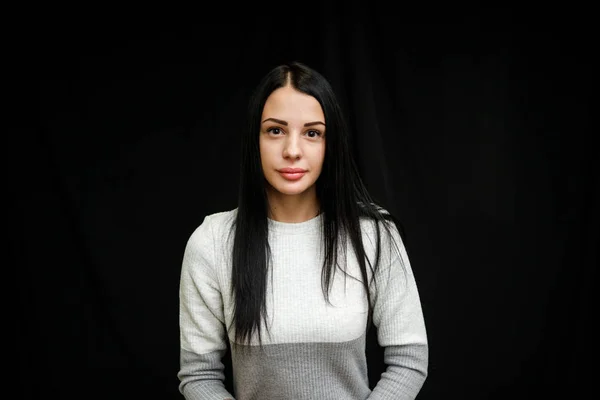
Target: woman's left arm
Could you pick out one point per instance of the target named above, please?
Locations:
(398, 316)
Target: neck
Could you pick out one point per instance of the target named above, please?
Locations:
(293, 209)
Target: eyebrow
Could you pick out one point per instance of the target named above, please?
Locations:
(282, 122)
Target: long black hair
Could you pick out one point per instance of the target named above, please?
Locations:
(342, 195)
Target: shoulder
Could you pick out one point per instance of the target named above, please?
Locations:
(221, 218)
(369, 222)
(385, 226)
(212, 228)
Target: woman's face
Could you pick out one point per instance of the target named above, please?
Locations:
(292, 136)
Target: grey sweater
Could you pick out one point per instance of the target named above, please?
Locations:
(312, 350)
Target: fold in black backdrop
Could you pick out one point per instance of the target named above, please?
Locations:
(475, 132)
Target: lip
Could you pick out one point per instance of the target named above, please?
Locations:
(292, 170)
(292, 176)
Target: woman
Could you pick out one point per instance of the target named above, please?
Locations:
(293, 278)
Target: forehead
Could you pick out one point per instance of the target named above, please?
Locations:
(289, 104)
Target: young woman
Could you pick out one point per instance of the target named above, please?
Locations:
(292, 279)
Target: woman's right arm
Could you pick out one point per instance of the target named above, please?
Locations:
(201, 321)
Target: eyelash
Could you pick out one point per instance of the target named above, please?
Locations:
(312, 130)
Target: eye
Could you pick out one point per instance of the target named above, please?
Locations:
(274, 130)
(313, 133)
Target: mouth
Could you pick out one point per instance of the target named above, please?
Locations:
(291, 170)
(292, 176)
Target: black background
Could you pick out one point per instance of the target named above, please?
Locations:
(473, 128)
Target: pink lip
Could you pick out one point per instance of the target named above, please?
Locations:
(292, 170)
(292, 176)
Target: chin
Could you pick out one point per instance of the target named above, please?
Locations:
(290, 191)
(290, 188)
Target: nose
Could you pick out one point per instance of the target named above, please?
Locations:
(291, 148)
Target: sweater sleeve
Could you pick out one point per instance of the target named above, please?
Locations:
(398, 316)
(201, 321)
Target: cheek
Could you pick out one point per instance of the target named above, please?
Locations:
(262, 150)
(266, 153)
(322, 154)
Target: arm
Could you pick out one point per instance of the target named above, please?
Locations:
(401, 331)
(201, 321)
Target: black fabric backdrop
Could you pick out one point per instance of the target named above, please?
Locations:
(474, 131)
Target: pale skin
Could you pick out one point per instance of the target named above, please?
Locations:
(292, 135)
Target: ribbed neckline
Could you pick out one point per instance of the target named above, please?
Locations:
(313, 224)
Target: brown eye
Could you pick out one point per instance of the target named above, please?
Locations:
(274, 130)
(313, 133)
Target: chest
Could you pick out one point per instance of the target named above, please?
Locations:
(297, 309)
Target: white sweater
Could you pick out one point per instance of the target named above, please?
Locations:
(315, 350)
